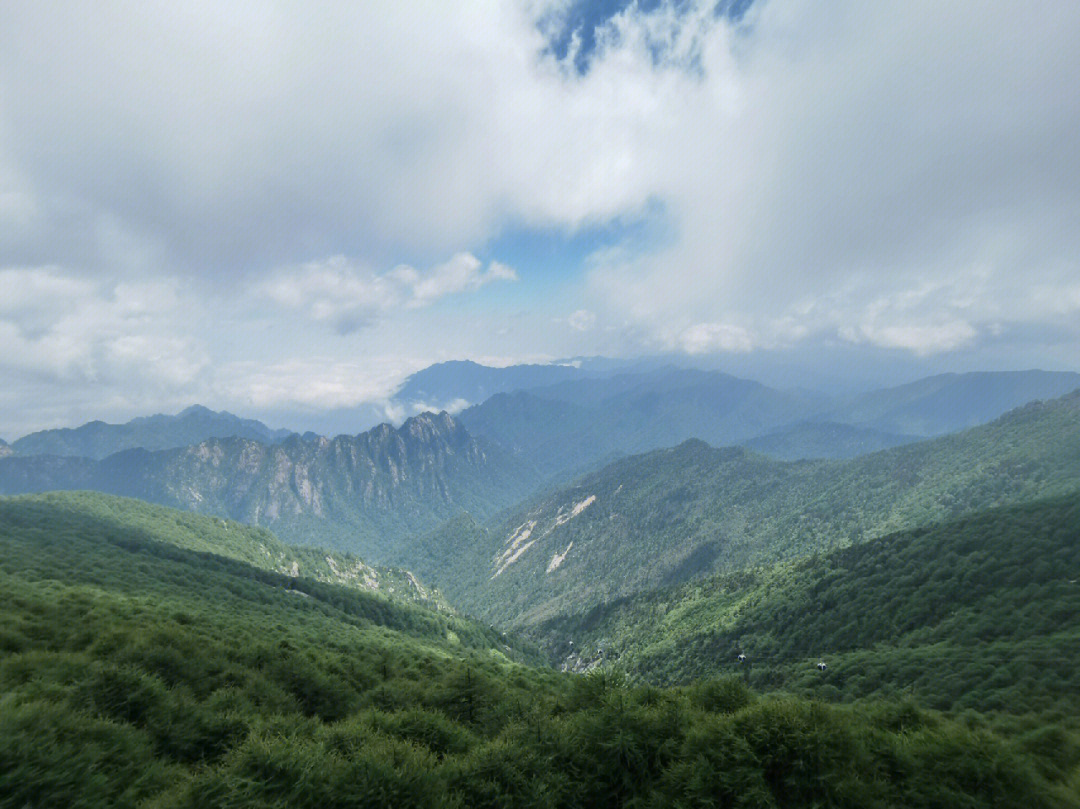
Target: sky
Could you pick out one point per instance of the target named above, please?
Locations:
(285, 208)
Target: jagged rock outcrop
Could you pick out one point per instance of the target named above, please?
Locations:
(362, 493)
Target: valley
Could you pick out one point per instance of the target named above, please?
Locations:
(539, 404)
(504, 590)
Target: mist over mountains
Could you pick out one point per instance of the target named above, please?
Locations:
(377, 491)
(98, 440)
(657, 525)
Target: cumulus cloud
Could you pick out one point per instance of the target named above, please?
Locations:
(319, 382)
(704, 338)
(71, 328)
(352, 296)
(582, 320)
(865, 152)
(179, 182)
(463, 272)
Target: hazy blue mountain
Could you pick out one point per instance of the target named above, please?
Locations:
(357, 493)
(810, 439)
(673, 514)
(574, 423)
(949, 402)
(463, 380)
(571, 424)
(4, 448)
(99, 440)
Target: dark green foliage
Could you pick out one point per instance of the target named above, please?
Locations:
(983, 612)
(140, 673)
(126, 520)
(675, 515)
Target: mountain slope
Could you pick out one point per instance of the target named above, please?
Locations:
(137, 673)
(227, 539)
(357, 493)
(98, 440)
(671, 515)
(950, 402)
(563, 427)
(824, 440)
(463, 380)
(983, 612)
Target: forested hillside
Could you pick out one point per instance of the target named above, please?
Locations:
(983, 612)
(135, 672)
(671, 515)
(359, 493)
(93, 515)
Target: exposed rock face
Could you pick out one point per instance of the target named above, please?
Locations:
(358, 493)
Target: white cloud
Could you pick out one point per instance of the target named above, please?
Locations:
(901, 174)
(921, 339)
(320, 382)
(70, 328)
(462, 272)
(704, 338)
(582, 320)
(351, 295)
(866, 151)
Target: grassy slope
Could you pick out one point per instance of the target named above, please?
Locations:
(138, 673)
(983, 612)
(251, 545)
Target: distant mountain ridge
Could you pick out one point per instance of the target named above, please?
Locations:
(98, 439)
(574, 423)
(823, 439)
(949, 402)
(464, 380)
(357, 493)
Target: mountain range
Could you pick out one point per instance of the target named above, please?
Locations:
(713, 609)
(670, 515)
(356, 493)
(576, 424)
(949, 402)
(99, 440)
(375, 492)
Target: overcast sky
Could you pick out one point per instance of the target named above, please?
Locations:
(272, 207)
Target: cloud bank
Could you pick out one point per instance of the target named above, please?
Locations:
(200, 200)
